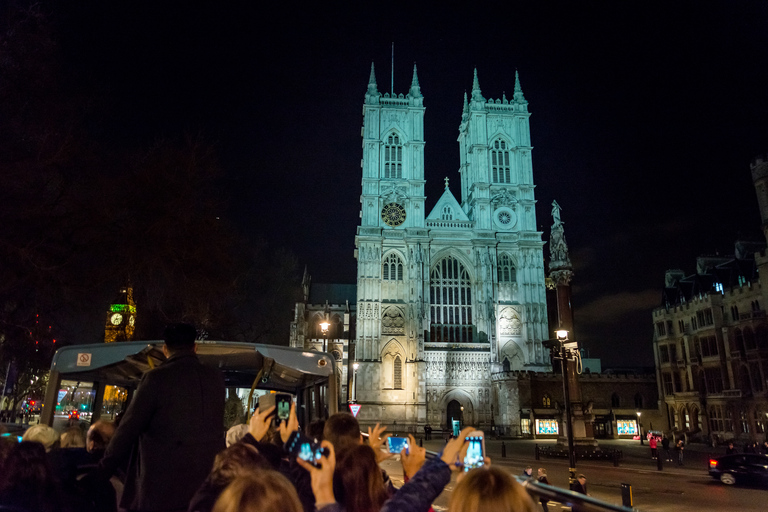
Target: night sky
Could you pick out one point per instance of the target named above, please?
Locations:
(645, 116)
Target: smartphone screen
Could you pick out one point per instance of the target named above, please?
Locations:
(474, 457)
(397, 444)
(283, 403)
(304, 448)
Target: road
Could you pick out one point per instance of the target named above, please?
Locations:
(678, 489)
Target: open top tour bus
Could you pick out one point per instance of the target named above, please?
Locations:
(98, 380)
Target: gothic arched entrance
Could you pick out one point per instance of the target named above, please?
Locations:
(455, 412)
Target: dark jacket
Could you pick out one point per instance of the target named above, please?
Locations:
(418, 494)
(171, 432)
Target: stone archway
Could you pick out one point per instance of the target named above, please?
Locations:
(454, 412)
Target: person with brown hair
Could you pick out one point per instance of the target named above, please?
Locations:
(260, 490)
(489, 489)
(30, 484)
(358, 483)
(238, 460)
(542, 477)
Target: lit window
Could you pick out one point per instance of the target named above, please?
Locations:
(392, 268)
(500, 167)
(393, 157)
(525, 425)
(546, 427)
(719, 287)
(546, 401)
(450, 292)
(507, 272)
(398, 373)
(626, 427)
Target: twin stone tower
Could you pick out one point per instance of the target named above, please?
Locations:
(450, 303)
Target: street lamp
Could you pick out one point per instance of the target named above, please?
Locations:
(639, 427)
(324, 327)
(562, 338)
(356, 365)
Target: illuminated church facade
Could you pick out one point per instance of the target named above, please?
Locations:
(445, 298)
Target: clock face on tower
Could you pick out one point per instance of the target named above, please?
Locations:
(116, 319)
(393, 214)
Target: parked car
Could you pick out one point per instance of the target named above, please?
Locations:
(742, 468)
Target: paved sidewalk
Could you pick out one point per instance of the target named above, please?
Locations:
(695, 461)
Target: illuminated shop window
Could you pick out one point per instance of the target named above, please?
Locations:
(525, 425)
(626, 427)
(546, 427)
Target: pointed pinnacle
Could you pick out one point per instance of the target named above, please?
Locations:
(466, 105)
(477, 94)
(519, 98)
(372, 79)
(415, 91)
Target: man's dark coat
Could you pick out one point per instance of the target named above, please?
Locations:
(170, 434)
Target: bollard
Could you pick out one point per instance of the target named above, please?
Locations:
(659, 464)
(421, 444)
(536, 452)
(626, 495)
(503, 449)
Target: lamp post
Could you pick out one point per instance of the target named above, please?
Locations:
(356, 365)
(639, 428)
(562, 337)
(324, 327)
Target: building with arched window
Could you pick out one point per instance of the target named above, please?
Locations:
(711, 340)
(433, 322)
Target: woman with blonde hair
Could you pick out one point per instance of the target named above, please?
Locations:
(262, 490)
(489, 489)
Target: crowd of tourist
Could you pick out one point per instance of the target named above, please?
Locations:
(169, 452)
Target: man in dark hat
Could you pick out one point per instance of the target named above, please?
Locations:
(172, 429)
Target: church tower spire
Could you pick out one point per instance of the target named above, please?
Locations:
(519, 98)
(415, 91)
(477, 94)
(372, 94)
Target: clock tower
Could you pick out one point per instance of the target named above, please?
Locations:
(121, 317)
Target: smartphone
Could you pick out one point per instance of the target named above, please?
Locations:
(396, 444)
(475, 450)
(8, 434)
(305, 448)
(283, 402)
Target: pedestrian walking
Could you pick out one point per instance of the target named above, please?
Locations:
(730, 450)
(528, 472)
(580, 485)
(665, 445)
(764, 448)
(680, 448)
(654, 447)
(542, 478)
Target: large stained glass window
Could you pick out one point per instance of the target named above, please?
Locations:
(500, 162)
(451, 302)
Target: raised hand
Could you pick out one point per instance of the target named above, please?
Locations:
(376, 442)
(286, 428)
(452, 449)
(322, 477)
(412, 458)
(259, 425)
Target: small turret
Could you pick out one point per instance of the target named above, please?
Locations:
(465, 110)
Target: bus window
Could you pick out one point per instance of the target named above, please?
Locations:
(74, 403)
(113, 403)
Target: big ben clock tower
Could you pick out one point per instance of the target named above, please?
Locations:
(121, 317)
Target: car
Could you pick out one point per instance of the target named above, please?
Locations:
(74, 415)
(742, 468)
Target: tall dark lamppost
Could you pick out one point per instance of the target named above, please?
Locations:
(324, 327)
(356, 365)
(562, 338)
(639, 428)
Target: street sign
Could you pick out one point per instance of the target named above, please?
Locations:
(354, 409)
(83, 359)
